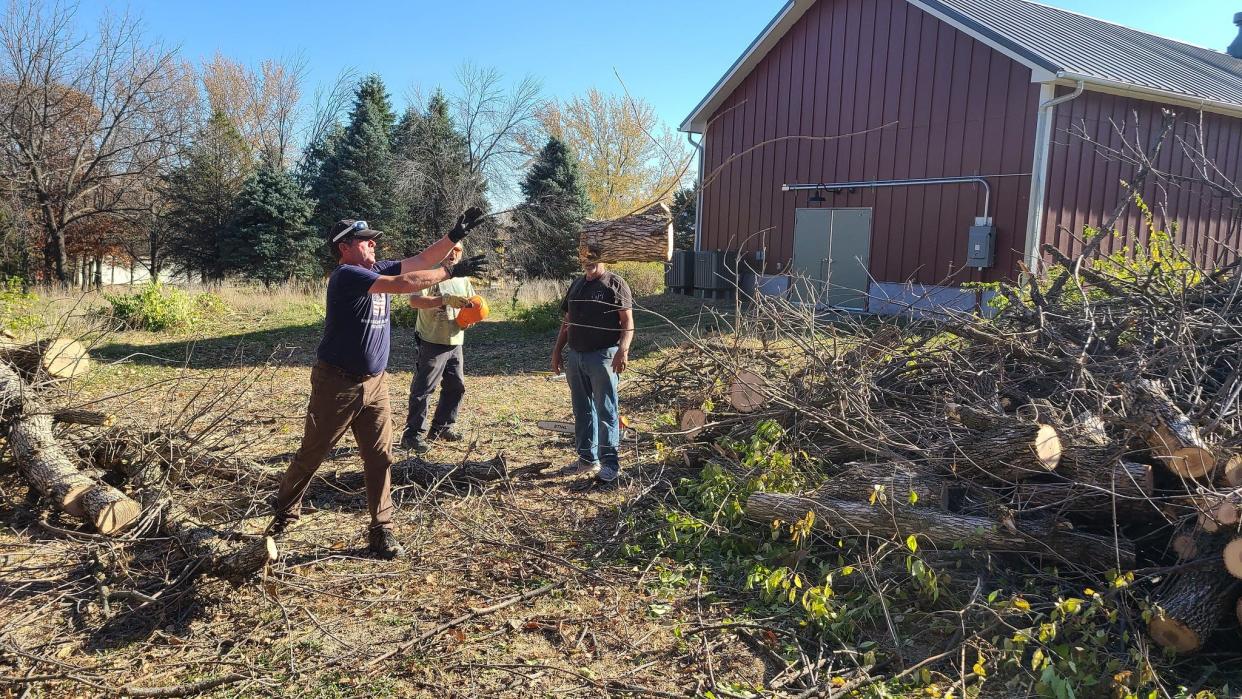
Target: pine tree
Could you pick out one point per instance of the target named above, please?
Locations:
(271, 239)
(202, 195)
(436, 181)
(685, 201)
(548, 221)
(356, 179)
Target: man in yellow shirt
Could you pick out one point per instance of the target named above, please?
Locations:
(440, 360)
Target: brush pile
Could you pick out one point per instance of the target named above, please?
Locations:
(1091, 424)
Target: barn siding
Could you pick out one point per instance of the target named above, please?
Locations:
(933, 103)
(1084, 188)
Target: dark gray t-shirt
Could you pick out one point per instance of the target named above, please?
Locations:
(592, 308)
(356, 328)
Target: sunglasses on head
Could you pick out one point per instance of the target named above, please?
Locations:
(354, 228)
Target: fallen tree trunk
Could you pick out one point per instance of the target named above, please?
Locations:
(48, 468)
(859, 481)
(641, 237)
(845, 517)
(1190, 605)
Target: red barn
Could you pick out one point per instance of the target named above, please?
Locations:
(895, 149)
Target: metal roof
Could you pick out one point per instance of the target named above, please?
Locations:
(1082, 47)
(1056, 44)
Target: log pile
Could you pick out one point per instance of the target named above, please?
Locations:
(1091, 426)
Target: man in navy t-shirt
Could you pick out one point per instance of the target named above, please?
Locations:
(349, 388)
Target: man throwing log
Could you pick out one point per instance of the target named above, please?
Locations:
(349, 387)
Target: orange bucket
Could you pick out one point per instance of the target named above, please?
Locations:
(476, 312)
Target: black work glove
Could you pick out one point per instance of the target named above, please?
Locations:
(469, 219)
(469, 267)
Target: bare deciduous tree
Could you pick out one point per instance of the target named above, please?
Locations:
(87, 119)
(262, 103)
(497, 122)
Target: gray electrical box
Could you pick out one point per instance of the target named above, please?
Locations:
(981, 246)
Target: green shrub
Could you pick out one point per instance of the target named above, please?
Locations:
(157, 307)
(644, 278)
(17, 308)
(538, 318)
(402, 315)
(209, 305)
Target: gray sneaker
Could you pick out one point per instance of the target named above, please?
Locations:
(578, 467)
(607, 474)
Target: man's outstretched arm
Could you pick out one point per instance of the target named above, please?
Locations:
(437, 251)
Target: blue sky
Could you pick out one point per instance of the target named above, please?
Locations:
(670, 52)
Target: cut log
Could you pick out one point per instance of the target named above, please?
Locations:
(847, 517)
(56, 359)
(1008, 451)
(1172, 436)
(1189, 606)
(1088, 428)
(745, 394)
(219, 554)
(74, 416)
(692, 422)
(1083, 502)
(643, 237)
(1237, 610)
(857, 481)
(1218, 511)
(428, 474)
(47, 467)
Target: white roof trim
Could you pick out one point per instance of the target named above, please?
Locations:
(771, 34)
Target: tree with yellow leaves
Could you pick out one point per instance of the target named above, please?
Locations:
(628, 159)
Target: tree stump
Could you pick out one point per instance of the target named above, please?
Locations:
(745, 393)
(56, 359)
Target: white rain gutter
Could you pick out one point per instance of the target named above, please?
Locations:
(698, 193)
(1039, 168)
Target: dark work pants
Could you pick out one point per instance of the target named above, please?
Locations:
(339, 402)
(438, 365)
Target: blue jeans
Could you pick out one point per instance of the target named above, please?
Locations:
(593, 391)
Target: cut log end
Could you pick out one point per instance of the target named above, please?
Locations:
(692, 422)
(1174, 635)
(110, 510)
(1184, 546)
(64, 359)
(1047, 447)
(1233, 557)
(1189, 462)
(744, 394)
(1231, 471)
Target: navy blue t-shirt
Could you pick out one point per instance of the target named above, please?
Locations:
(356, 329)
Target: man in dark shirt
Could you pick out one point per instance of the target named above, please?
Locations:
(349, 389)
(598, 327)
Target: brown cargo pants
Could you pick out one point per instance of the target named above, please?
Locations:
(340, 401)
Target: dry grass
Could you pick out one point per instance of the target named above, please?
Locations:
(309, 628)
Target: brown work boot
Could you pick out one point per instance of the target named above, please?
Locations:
(384, 544)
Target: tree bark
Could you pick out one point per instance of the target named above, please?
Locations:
(220, 555)
(845, 517)
(1191, 604)
(1172, 437)
(428, 474)
(1009, 450)
(641, 237)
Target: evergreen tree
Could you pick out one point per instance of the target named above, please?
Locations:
(685, 201)
(436, 181)
(202, 195)
(356, 179)
(271, 239)
(549, 220)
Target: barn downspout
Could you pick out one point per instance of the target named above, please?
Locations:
(698, 194)
(1039, 168)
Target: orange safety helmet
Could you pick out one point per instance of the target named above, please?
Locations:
(476, 312)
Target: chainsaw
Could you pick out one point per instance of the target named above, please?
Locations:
(567, 428)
